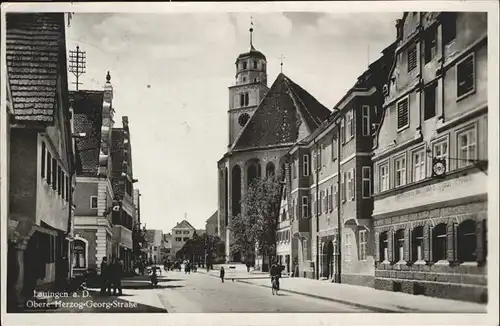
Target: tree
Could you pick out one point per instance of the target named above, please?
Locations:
(257, 224)
(139, 242)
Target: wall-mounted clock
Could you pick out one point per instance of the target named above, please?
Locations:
(438, 167)
(243, 119)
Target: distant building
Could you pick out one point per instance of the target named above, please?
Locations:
(212, 224)
(154, 240)
(166, 248)
(181, 233)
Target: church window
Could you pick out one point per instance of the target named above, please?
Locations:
(255, 64)
(242, 99)
(246, 99)
(244, 79)
(244, 65)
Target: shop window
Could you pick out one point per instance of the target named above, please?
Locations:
(467, 241)
(399, 241)
(439, 242)
(384, 246)
(417, 243)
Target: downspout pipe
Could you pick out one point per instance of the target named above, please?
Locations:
(339, 204)
(317, 206)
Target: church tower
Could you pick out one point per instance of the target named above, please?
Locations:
(249, 89)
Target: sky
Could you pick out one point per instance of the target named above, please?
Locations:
(171, 73)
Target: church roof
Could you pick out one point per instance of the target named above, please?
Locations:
(35, 48)
(279, 115)
(252, 53)
(87, 108)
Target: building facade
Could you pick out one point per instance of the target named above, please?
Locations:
(166, 248)
(212, 225)
(181, 233)
(430, 159)
(124, 210)
(40, 154)
(93, 119)
(263, 124)
(331, 170)
(154, 240)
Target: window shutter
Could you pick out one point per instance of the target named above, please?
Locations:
(402, 113)
(407, 249)
(353, 174)
(450, 239)
(390, 245)
(481, 239)
(426, 242)
(377, 246)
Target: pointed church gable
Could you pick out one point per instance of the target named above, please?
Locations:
(280, 115)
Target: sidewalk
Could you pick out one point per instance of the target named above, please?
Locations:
(369, 298)
(137, 296)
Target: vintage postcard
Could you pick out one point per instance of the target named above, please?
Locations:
(249, 163)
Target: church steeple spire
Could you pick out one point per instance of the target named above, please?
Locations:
(251, 34)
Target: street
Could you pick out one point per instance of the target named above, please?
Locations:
(199, 292)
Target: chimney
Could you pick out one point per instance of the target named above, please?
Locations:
(399, 28)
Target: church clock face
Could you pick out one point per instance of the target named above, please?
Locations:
(243, 119)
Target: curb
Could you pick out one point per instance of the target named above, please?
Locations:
(359, 305)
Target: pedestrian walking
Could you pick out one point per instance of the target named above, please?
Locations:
(117, 270)
(222, 273)
(105, 286)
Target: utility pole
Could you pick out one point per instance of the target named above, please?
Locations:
(77, 61)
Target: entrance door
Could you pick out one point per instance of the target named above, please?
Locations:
(329, 257)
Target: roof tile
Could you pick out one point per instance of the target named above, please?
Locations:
(33, 46)
(278, 117)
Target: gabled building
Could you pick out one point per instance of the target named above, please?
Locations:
(93, 120)
(40, 154)
(430, 159)
(122, 180)
(181, 233)
(264, 123)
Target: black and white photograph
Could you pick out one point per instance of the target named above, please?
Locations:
(300, 160)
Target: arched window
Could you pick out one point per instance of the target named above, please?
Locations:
(246, 99)
(252, 173)
(399, 241)
(439, 242)
(418, 243)
(269, 169)
(242, 99)
(80, 253)
(236, 190)
(384, 246)
(467, 241)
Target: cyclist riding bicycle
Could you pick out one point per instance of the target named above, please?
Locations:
(275, 278)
